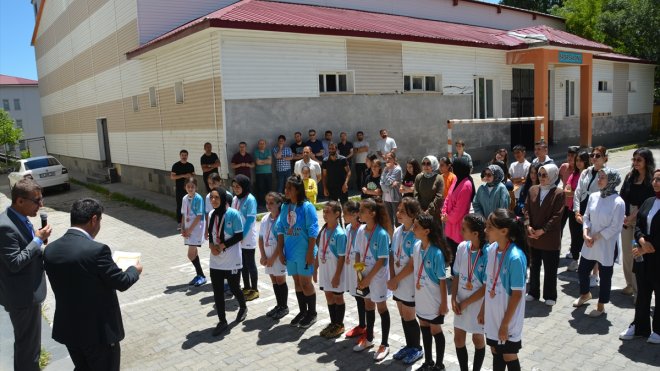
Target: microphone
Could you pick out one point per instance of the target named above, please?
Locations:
(44, 221)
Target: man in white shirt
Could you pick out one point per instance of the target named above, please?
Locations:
(361, 150)
(385, 145)
(519, 169)
(541, 152)
(314, 167)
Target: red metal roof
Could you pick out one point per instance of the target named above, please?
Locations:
(621, 58)
(11, 80)
(297, 18)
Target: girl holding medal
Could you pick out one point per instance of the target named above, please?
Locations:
(297, 228)
(402, 282)
(469, 269)
(430, 260)
(330, 268)
(503, 309)
(270, 256)
(225, 235)
(192, 209)
(352, 221)
(373, 252)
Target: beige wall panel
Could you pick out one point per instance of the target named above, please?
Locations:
(377, 65)
(127, 39)
(53, 10)
(59, 125)
(83, 65)
(87, 119)
(74, 145)
(145, 149)
(94, 5)
(118, 147)
(104, 54)
(186, 60)
(218, 104)
(71, 123)
(77, 11)
(146, 119)
(114, 112)
(56, 143)
(60, 28)
(195, 113)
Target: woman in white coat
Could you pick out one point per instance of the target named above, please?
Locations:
(603, 221)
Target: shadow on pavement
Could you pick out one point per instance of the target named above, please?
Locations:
(262, 323)
(537, 308)
(639, 350)
(279, 335)
(335, 351)
(586, 325)
(204, 336)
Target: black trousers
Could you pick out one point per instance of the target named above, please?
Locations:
(359, 175)
(262, 187)
(27, 337)
(646, 285)
(604, 273)
(577, 240)
(218, 282)
(179, 201)
(337, 195)
(249, 271)
(95, 357)
(550, 261)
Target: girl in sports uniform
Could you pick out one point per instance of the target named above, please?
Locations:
(352, 222)
(469, 272)
(270, 255)
(192, 209)
(246, 204)
(373, 247)
(503, 310)
(431, 257)
(330, 268)
(402, 283)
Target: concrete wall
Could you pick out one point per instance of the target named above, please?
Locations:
(482, 140)
(417, 122)
(607, 130)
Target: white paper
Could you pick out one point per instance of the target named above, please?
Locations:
(125, 259)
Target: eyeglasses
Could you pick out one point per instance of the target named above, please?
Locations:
(595, 155)
(425, 163)
(37, 201)
(543, 175)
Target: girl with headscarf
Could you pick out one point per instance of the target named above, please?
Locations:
(531, 180)
(602, 224)
(493, 194)
(544, 208)
(246, 204)
(457, 203)
(429, 184)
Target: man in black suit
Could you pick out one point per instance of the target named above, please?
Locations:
(22, 280)
(84, 278)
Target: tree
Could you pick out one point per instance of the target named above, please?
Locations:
(8, 133)
(542, 6)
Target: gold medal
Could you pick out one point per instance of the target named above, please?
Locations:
(492, 293)
(323, 260)
(398, 265)
(468, 285)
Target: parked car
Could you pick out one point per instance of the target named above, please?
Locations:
(47, 171)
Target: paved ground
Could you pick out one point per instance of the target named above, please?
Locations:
(168, 325)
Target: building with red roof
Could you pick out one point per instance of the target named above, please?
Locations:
(156, 76)
(20, 98)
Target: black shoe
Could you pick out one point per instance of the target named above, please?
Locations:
(220, 328)
(281, 313)
(242, 313)
(273, 311)
(427, 366)
(307, 321)
(296, 320)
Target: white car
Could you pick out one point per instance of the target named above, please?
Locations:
(47, 171)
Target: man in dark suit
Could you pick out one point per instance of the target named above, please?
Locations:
(84, 278)
(22, 280)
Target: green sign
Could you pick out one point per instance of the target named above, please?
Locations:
(569, 57)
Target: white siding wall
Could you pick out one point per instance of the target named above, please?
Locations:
(602, 71)
(160, 16)
(641, 101)
(561, 75)
(620, 89)
(30, 111)
(52, 10)
(443, 10)
(268, 65)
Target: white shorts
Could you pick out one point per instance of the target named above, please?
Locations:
(327, 271)
(277, 269)
(378, 291)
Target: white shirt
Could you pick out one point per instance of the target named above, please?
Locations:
(548, 160)
(87, 234)
(386, 145)
(604, 216)
(360, 158)
(315, 171)
(519, 170)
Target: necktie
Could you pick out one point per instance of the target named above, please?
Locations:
(29, 227)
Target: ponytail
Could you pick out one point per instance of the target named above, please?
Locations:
(505, 218)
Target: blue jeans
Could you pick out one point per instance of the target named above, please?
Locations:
(282, 176)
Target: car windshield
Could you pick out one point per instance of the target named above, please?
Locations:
(36, 163)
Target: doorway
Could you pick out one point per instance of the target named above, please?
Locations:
(522, 105)
(104, 141)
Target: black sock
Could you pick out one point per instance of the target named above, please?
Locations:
(340, 311)
(427, 338)
(406, 331)
(361, 311)
(332, 312)
(415, 334)
(278, 296)
(479, 355)
(371, 321)
(198, 266)
(513, 365)
(302, 303)
(498, 362)
(284, 294)
(385, 325)
(462, 355)
(439, 349)
(311, 303)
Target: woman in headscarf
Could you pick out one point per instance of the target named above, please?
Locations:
(602, 224)
(246, 204)
(544, 208)
(531, 180)
(493, 194)
(457, 203)
(429, 184)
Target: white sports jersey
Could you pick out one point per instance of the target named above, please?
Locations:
(268, 235)
(190, 209)
(332, 246)
(476, 261)
(232, 258)
(429, 271)
(403, 247)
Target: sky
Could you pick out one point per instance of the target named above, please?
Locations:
(16, 26)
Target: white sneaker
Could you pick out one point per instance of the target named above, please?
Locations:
(363, 344)
(593, 280)
(550, 303)
(629, 334)
(573, 266)
(654, 338)
(529, 297)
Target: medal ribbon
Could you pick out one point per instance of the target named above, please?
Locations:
(217, 229)
(366, 249)
(326, 241)
(270, 225)
(399, 251)
(497, 275)
(471, 265)
(421, 264)
(351, 239)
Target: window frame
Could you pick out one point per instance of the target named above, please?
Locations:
(350, 82)
(17, 104)
(153, 97)
(569, 98)
(408, 79)
(5, 105)
(604, 86)
(19, 123)
(179, 93)
(476, 97)
(136, 103)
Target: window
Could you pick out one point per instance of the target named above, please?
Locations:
(418, 83)
(17, 104)
(136, 103)
(19, 124)
(335, 82)
(178, 92)
(483, 98)
(153, 100)
(632, 86)
(5, 104)
(570, 98)
(603, 86)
